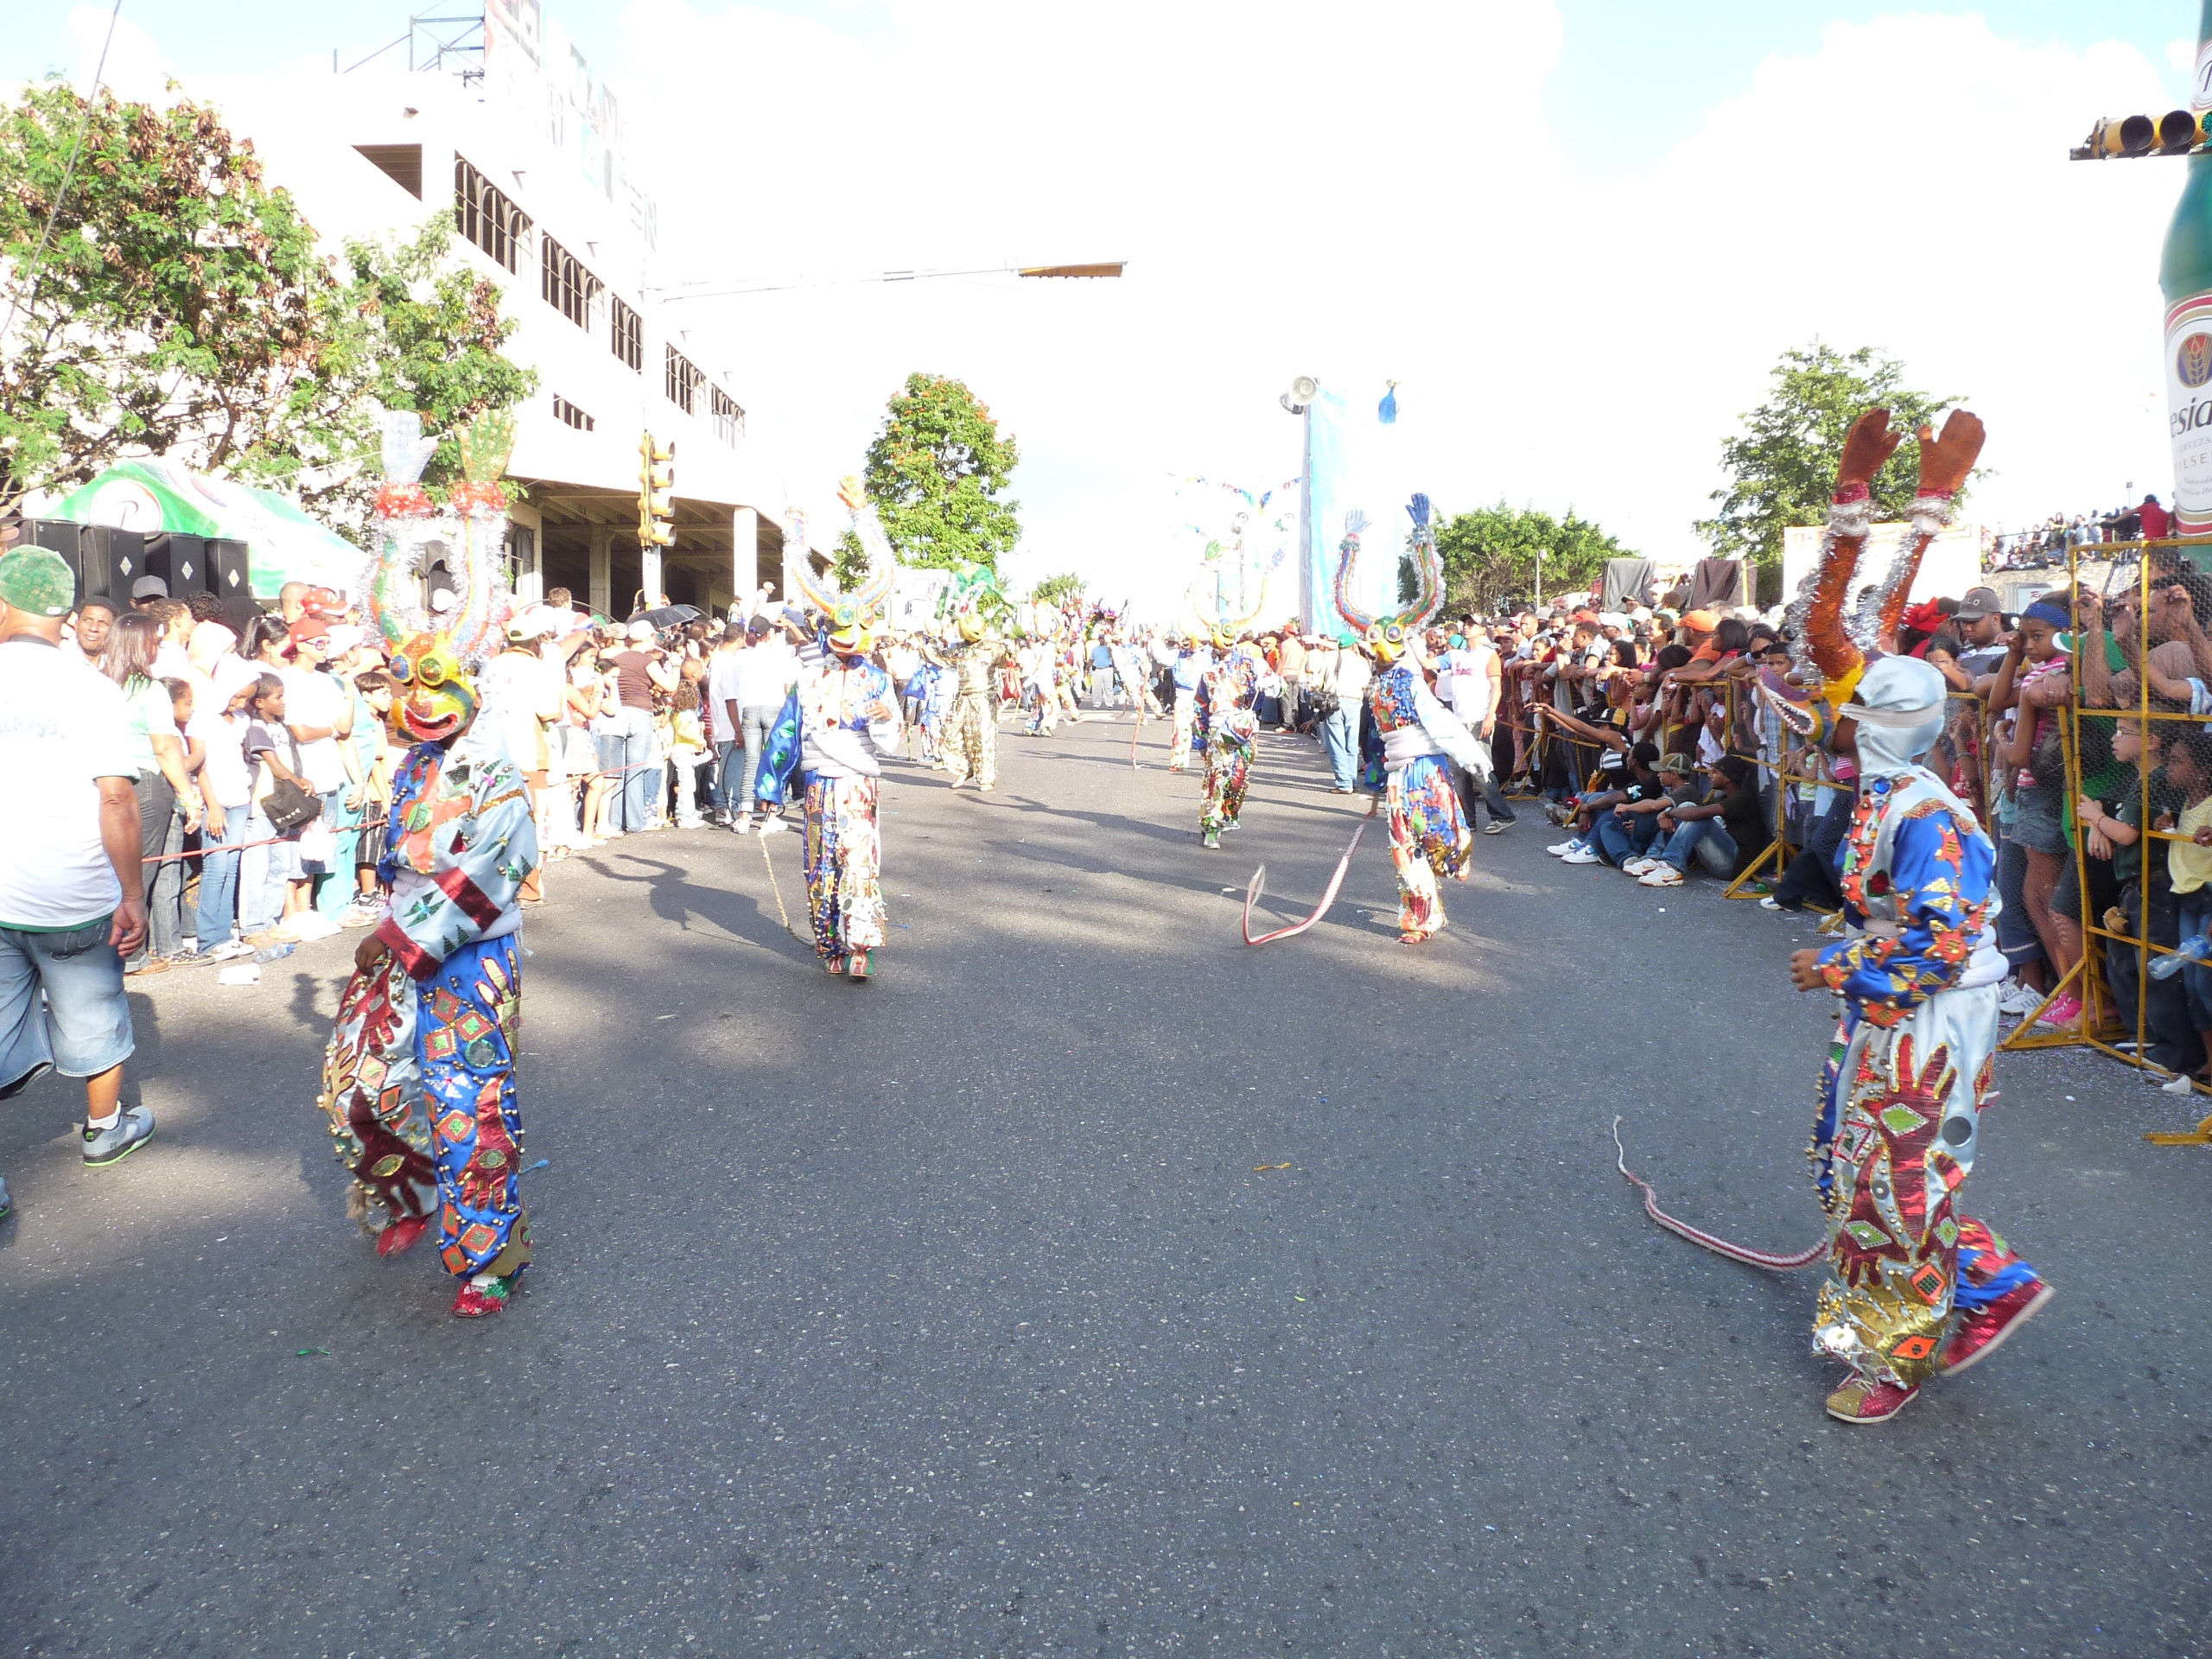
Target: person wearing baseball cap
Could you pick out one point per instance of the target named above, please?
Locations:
(72, 898)
(1980, 622)
(146, 590)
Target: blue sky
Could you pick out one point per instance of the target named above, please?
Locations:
(1634, 75)
(1447, 219)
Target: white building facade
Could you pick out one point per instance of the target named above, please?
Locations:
(515, 138)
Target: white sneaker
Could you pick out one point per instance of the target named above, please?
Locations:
(1638, 866)
(312, 925)
(743, 826)
(2177, 1085)
(1665, 876)
(2016, 999)
(1562, 848)
(774, 827)
(1579, 856)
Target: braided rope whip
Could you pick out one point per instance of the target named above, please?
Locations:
(776, 887)
(1259, 881)
(1771, 1261)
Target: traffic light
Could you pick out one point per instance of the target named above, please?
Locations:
(657, 486)
(2175, 133)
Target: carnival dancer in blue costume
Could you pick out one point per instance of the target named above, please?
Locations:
(848, 716)
(1418, 741)
(419, 1078)
(840, 716)
(1224, 724)
(1916, 1288)
(1412, 740)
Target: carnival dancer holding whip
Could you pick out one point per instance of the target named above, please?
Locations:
(1416, 740)
(843, 714)
(1916, 1288)
(1223, 725)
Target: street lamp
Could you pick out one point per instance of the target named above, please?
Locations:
(1299, 401)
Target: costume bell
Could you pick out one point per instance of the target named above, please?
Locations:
(1416, 742)
(419, 1076)
(1916, 1287)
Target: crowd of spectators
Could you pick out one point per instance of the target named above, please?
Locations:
(2047, 544)
(1657, 740)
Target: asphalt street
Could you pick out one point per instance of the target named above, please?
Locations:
(1088, 1284)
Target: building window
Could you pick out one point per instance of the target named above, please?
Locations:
(729, 416)
(627, 333)
(568, 287)
(486, 217)
(684, 379)
(569, 415)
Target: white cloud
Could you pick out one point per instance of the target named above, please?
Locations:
(1374, 192)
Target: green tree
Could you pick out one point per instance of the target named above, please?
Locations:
(937, 473)
(1491, 554)
(182, 308)
(178, 300)
(1054, 590)
(1781, 465)
(428, 334)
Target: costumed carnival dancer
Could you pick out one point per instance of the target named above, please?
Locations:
(971, 738)
(419, 1077)
(1916, 1287)
(840, 716)
(1224, 724)
(1411, 741)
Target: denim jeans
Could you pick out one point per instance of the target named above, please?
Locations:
(756, 723)
(219, 878)
(1622, 836)
(2196, 978)
(335, 895)
(641, 782)
(1704, 839)
(262, 874)
(728, 756)
(165, 909)
(1340, 740)
(85, 1026)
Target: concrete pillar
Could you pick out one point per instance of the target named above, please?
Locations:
(602, 569)
(745, 554)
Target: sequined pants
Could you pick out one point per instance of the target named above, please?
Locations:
(970, 747)
(1229, 770)
(844, 888)
(1893, 1142)
(1429, 839)
(419, 1085)
(1178, 738)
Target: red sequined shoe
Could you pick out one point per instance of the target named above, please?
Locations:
(401, 1233)
(1861, 1402)
(1979, 1332)
(475, 1301)
(857, 964)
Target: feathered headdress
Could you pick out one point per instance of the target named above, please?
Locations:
(441, 574)
(1389, 629)
(857, 607)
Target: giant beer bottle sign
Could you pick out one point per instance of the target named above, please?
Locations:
(2188, 398)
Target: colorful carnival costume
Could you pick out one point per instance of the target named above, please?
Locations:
(418, 1078)
(839, 718)
(1419, 742)
(1915, 1287)
(971, 742)
(1223, 725)
(1420, 739)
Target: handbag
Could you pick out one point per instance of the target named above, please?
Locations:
(288, 806)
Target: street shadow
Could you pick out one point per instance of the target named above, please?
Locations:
(673, 897)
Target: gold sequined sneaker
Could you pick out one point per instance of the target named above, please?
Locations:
(1861, 1402)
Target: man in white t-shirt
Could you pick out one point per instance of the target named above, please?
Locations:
(1472, 678)
(71, 903)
